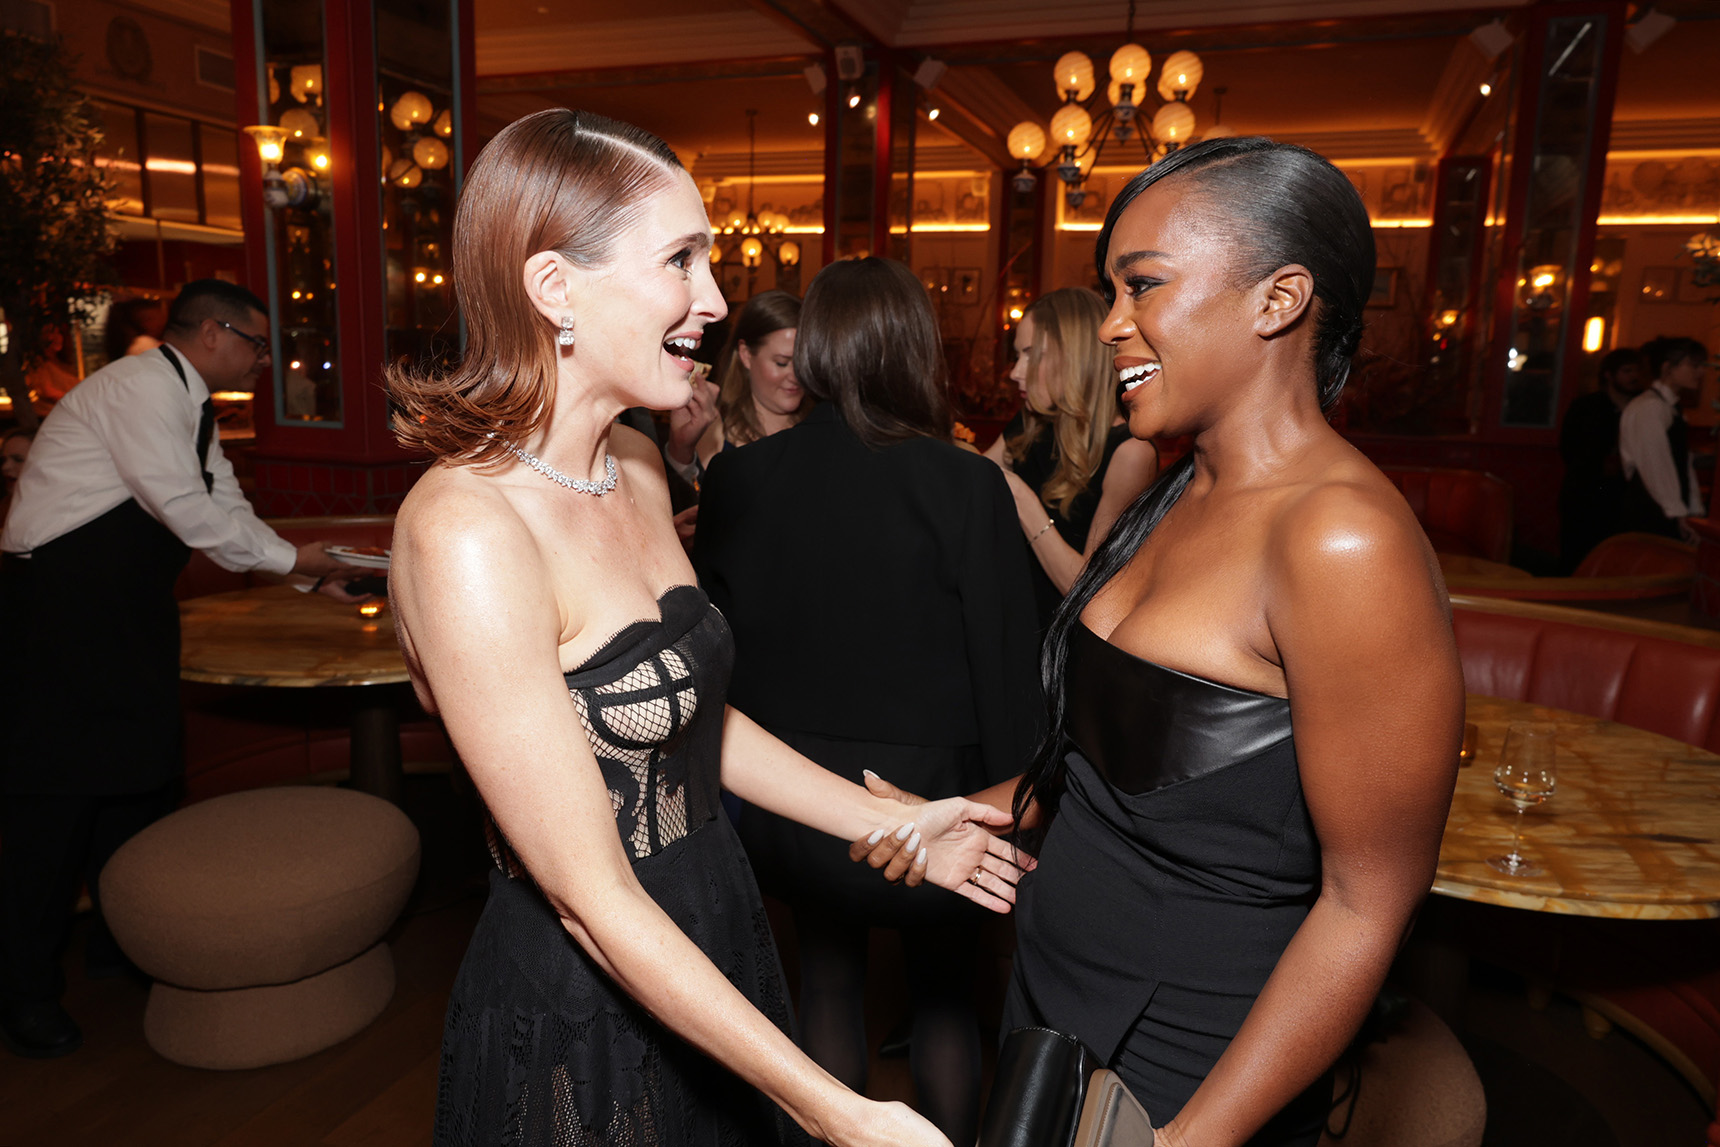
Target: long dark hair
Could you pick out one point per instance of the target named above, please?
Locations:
(1282, 204)
(868, 341)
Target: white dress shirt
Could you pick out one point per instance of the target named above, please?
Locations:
(1643, 448)
(130, 431)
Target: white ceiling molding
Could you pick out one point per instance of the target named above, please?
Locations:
(1456, 95)
(882, 18)
(1383, 143)
(1664, 134)
(621, 43)
(930, 22)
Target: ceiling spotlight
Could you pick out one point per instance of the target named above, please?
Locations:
(1486, 89)
(853, 97)
(812, 118)
(932, 112)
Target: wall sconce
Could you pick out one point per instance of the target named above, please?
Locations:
(752, 251)
(293, 187)
(789, 253)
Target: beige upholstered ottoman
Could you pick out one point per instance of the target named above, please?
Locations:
(260, 915)
(1418, 1089)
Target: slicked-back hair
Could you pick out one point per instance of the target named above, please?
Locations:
(868, 341)
(1281, 205)
(211, 299)
(557, 180)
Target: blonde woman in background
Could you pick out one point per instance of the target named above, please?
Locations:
(1067, 454)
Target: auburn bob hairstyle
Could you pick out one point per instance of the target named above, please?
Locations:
(558, 180)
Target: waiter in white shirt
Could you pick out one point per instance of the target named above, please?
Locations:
(125, 479)
(1654, 441)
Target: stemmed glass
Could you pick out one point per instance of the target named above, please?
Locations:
(1525, 775)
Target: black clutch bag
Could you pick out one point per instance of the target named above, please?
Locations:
(1050, 1091)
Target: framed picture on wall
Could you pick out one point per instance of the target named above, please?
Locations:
(936, 280)
(1659, 285)
(1385, 287)
(964, 284)
(732, 278)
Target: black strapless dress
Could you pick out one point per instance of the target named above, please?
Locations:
(1179, 865)
(540, 1047)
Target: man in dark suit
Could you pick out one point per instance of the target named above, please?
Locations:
(1592, 498)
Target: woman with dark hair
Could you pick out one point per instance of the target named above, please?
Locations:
(877, 585)
(759, 394)
(622, 974)
(133, 327)
(1254, 695)
(1069, 458)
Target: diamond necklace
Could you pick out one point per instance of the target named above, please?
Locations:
(580, 485)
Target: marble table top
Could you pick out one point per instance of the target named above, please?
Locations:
(1632, 831)
(275, 635)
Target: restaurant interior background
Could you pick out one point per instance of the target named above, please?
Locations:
(1543, 178)
(1528, 217)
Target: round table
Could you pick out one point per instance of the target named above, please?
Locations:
(277, 636)
(1632, 831)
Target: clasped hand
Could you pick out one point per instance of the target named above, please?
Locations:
(953, 843)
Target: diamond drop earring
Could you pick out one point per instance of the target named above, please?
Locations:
(564, 337)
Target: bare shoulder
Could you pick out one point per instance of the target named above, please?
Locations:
(458, 529)
(1346, 535)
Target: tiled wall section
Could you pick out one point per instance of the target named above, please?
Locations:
(299, 489)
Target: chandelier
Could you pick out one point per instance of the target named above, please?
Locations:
(1085, 126)
(755, 228)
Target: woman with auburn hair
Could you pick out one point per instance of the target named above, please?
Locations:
(759, 394)
(1071, 463)
(622, 974)
(1254, 698)
(883, 616)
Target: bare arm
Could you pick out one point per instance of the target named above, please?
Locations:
(1133, 468)
(948, 843)
(481, 621)
(1376, 697)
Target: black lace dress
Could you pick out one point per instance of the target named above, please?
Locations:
(540, 1046)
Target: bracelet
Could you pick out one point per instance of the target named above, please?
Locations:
(1048, 524)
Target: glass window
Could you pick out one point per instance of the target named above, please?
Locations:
(221, 178)
(171, 166)
(119, 155)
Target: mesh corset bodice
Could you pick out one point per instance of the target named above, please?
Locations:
(651, 701)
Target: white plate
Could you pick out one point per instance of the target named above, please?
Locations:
(349, 556)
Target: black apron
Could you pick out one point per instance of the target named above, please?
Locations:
(95, 676)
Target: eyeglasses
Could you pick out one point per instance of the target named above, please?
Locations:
(258, 342)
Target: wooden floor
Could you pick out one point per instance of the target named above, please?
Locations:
(1547, 1082)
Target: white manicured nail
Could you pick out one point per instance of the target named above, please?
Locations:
(877, 835)
(869, 773)
(920, 859)
(903, 832)
(914, 843)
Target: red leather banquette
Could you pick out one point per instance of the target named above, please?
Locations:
(1658, 979)
(1463, 511)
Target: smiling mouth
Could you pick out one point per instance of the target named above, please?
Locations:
(681, 347)
(1133, 376)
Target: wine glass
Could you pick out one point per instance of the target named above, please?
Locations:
(1525, 776)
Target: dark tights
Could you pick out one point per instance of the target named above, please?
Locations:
(944, 1056)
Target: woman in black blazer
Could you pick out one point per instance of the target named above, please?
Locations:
(880, 595)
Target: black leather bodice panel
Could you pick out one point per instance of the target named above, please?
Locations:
(1144, 726)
